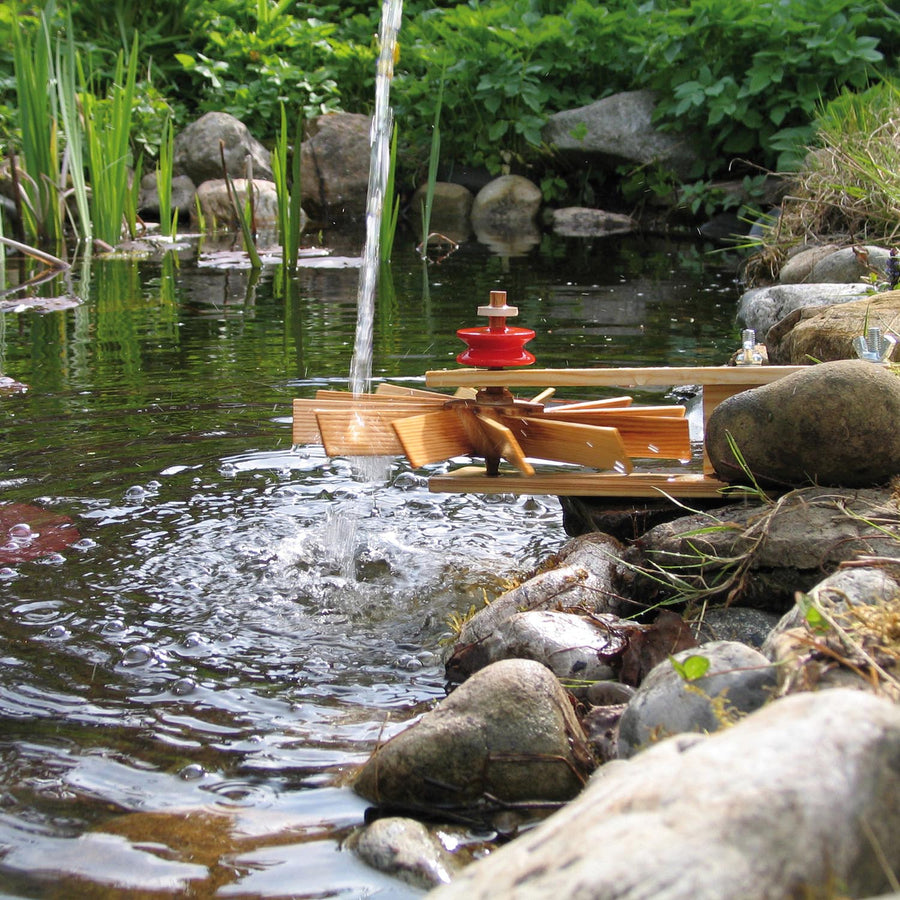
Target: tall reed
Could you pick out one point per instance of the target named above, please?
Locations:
(67, 94)
(288, 190)
(107, 126)
(40, 196)
(433, 160)
(168, 219)
(388, 229)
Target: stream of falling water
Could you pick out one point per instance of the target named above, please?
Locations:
(379, 169)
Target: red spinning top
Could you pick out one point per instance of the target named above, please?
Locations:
(497, 344)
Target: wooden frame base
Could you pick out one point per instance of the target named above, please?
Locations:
(474, 480)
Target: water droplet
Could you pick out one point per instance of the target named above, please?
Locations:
(192, 772)
(229, 470)
(183, 687)
(6, 573)
(21, 532)
(138, 655)
(135, 493)
(114, 626)
(84, 544)
(57, 631)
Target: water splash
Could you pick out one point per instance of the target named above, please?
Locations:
(379, 169)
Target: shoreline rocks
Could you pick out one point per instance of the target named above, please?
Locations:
(707, 759)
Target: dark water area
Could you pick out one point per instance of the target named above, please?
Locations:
(231, 623)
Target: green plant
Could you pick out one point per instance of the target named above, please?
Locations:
(433, 160)
(390, 214)
(168, 218)
(244, 216)
(41, 196)
(107, 126)
(286, 172)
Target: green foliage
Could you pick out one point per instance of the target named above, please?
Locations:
(107, 128)
(286, 171)
(692, 668)
(748, 77)
(41, 182)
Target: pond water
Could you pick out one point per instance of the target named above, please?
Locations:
(183, 687)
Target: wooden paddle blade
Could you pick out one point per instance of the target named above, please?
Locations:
(653, 437)
(583, 445)
(573, 412)
(355, 432)
(495, 440)
(591, 404)
(432, 437)
(306, 428)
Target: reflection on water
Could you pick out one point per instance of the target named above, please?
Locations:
(183, 687)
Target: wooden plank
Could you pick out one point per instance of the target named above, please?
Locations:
(386, 389)
(354, 432)
(432, 437)
(472, 480)
(434, 399)
(306, 430)
(598, 415)
(748, 376)
(583, 445)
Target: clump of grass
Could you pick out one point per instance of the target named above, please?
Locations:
(849, 189)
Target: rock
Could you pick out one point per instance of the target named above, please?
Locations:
(739, 680)
(798, 267)
(508, 732)
(845, 632)
(451, 210)
(799, 797)
(830, 424)
(601, 724)
(183, 190)
(828, 334)
(570, 645)
(761, 308)
(406, 849)
(740, 623)
(617, 129)
(576, 221)
(760, 555)
(334, 168)
(506, 206)
(197, 151)
(218, 212)
(579, 576)
(850, 264)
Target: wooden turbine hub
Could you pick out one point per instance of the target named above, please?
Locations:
(485, 420)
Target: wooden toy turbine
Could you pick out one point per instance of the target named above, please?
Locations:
(429, 427)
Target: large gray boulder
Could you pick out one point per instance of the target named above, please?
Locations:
(797, 798)
(830, 424)
(197, 151)
(508, 732)
(761, 308)
(334, 167)
(617, 129)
